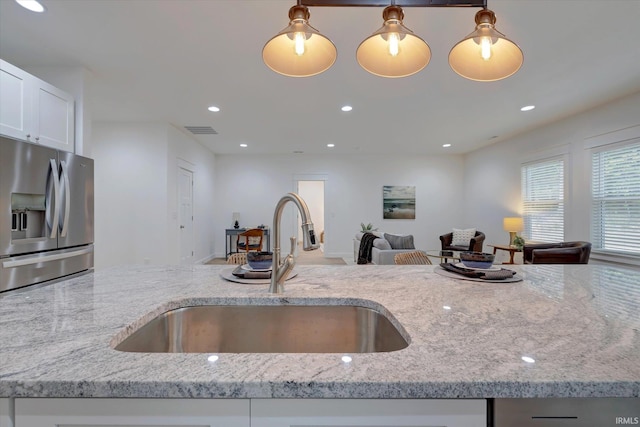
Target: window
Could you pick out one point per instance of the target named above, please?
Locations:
(615, 199)
(543, 200)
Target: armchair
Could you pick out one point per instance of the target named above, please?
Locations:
(475, 244)
(557, 253)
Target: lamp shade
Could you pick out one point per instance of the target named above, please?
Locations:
(299, 50)
(486, 54)
(512, 224)
(393, 50)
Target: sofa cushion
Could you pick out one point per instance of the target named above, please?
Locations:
(382, 244)
(400, 242)
(462, 237)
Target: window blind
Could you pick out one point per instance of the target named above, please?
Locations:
(543, 200)
(615, 195)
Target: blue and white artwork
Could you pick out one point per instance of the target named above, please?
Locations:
(398, 202)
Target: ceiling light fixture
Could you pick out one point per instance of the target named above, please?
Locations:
(243, 145)
(299, 50)
(347, 108)
(528, 108)
(393, 50)
(446, 145)
(214, 109)
(32, 5)
(331, 145)
(486, 55)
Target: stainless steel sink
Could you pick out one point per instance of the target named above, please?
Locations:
(267, 329)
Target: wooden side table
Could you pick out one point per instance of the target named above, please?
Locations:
(512, 251)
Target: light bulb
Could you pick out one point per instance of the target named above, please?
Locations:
(299, 40)
(485, 47)
(394, 40)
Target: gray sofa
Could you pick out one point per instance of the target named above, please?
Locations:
(385, 246)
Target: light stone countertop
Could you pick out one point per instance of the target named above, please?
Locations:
(581, 324)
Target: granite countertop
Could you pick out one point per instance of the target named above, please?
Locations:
(581, 324)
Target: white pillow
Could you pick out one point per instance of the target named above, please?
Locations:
(463, 237)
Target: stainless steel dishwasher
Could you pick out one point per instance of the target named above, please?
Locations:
(567, 412)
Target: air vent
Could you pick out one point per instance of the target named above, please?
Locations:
(201, 130)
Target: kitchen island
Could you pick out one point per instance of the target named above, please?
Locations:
(578, 327)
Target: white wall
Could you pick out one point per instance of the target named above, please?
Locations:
(253, 184)
(136, 193)
(492, 174)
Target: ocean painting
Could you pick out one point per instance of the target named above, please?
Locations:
(398, 202)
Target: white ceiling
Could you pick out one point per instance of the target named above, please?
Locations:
(167, 60)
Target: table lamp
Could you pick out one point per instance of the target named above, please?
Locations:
(236, 219)
(512, 225)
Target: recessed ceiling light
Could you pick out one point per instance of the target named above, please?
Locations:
(446, 145)
(347, 108)
(331, 145)
(32, 5)
(243, 145)
(528, 359)
(214, 109)
(528, 108)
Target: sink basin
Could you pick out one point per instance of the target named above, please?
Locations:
(267, 329)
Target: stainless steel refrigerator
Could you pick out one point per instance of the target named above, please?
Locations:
(46, 214)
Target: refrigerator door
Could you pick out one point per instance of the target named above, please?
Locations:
(29, 195)
(75, 221)
(24, 270)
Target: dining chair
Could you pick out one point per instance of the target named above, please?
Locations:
(239, 258)
(415, 257)
(250, 240)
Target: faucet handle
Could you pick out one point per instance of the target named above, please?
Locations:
(293, 246)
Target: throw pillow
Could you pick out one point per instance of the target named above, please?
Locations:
(463, 237)
(381, 244)
(400, 242)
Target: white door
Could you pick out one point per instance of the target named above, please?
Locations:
(312, 192)
(185, 218)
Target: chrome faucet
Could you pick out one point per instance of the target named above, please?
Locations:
(280, 271)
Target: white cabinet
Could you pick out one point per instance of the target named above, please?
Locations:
(132, 412)
(34, 110)
(368, 412)
(6, 413)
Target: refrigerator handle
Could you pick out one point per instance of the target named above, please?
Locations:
(52, 178)
(67, 199)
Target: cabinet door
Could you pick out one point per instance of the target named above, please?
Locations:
(368, 412)
(5, 413)
(15, 101)
(132, 412)
(53, 117)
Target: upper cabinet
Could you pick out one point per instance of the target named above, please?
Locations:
(35, 111)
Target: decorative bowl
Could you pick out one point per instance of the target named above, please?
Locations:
(259, 260)
(477, 259)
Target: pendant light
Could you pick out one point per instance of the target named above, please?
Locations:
(393, 50)
(299, 50)
(486, 54)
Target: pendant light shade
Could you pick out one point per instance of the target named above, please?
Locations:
(393, 50)
(299, 50)
(486, 54)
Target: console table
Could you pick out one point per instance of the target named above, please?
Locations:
(509, 249)
(230, 232)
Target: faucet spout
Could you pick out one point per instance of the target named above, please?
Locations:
(281, 270)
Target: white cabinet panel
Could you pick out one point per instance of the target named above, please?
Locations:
(34, 110)
(53, 117)
(368, 412)
(132, 412)
(5, 413)
(15, 101)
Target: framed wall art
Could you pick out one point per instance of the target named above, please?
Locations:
(398, 202)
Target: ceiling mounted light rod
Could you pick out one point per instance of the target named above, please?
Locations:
(393, 50)
(402, 3)
(299, 50)
(486, 54)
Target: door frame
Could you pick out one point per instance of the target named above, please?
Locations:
(189, 167)
(296, 218)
